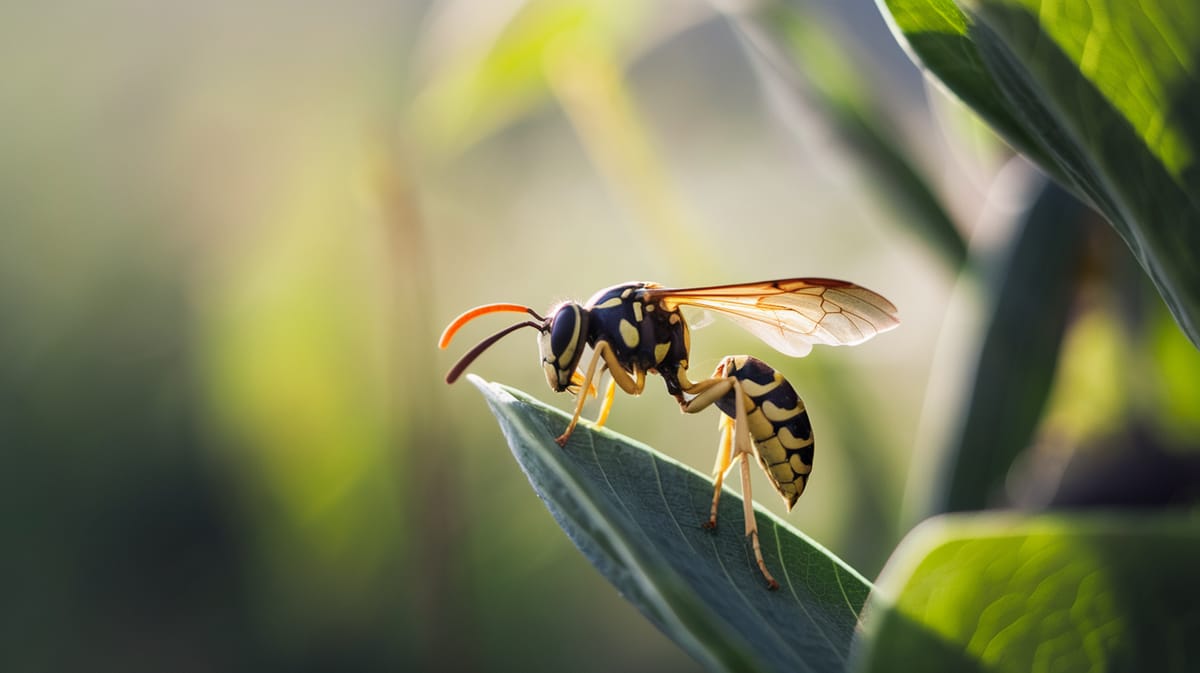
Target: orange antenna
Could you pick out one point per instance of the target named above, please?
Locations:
(480, 347)
(466, 360)
(474, 313)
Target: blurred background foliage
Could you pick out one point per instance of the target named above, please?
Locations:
(231, 235)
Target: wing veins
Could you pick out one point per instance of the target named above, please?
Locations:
(787, 308)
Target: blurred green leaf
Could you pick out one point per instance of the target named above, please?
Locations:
(1174, 397)
(472, 92)
(870, 516)
(1031, 296)
(1105, 96)
(1064, 593)
(636, 515)
(806, 54)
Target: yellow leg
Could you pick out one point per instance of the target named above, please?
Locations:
(741, 430)
(707, 393)
(721, 467)
(631, 385)
(577, 380)
(607, 405)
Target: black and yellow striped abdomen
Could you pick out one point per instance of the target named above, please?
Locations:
(778, 423)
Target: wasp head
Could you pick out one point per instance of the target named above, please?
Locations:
(562, 343)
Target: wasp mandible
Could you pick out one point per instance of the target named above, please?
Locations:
(635, 329)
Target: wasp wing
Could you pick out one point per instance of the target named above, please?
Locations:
(793, 314)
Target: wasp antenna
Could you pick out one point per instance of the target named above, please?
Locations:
(474, 313)
(466, 360)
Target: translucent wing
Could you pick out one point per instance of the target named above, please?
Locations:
(791, 315)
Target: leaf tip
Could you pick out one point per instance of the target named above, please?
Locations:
(488, 388)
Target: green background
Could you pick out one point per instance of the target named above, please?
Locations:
(230, 236)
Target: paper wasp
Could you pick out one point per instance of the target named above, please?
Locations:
(635, 329)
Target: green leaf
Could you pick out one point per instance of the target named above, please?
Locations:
(1047, 593)
(1104, 96)
(1031, 296)
(636, 515)
(1174, 395)
(500, 76)
(936, 33)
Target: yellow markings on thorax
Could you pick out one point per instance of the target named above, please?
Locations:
(637, 311)
(629, 334)
(660, 351)
(612, 302)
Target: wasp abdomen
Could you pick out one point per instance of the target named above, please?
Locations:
(777, 421)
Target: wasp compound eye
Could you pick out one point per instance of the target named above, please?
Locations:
(568, 336)
(564, 332)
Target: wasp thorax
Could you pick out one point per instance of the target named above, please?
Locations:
(562, 344)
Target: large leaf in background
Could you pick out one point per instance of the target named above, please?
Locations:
(1063, 593)
(636, 515)
(1031, 296)
(1104, 95)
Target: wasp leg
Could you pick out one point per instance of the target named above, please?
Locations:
(748, 514)
(722, 466)
(708, 392)
(621, 377)
(577, 380)
(606, 407)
